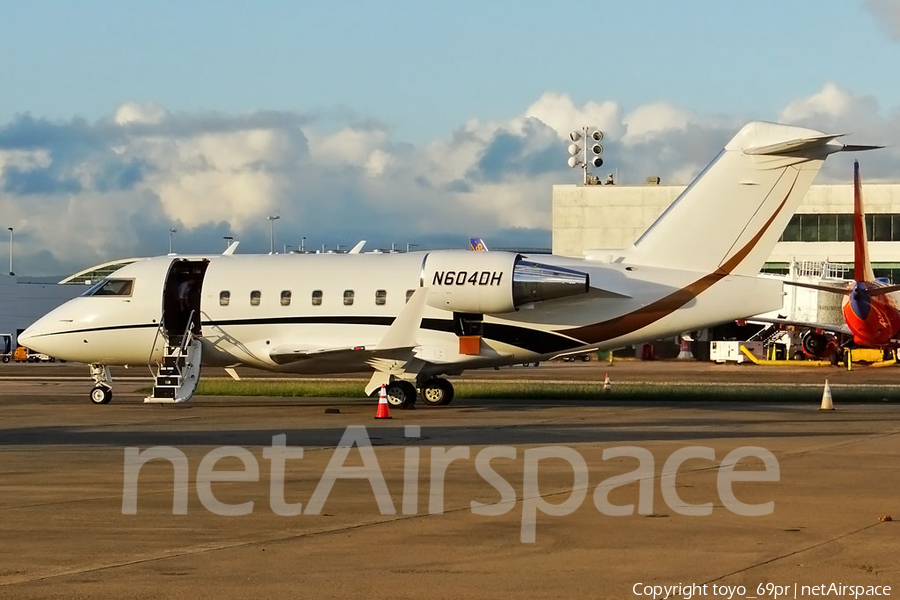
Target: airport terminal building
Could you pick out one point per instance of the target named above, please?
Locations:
(587, 217)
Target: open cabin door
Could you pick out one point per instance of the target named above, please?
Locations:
(181, 298)
(178, 374)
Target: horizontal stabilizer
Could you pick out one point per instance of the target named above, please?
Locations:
(881, 291)
(791, 146)
(822, 288)
(859, 148)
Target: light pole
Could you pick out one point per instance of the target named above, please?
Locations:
(272, 219)
(228, 239)
(172, 232)
(303, 245)
(408, 246)
(587, 153)
(11, 251)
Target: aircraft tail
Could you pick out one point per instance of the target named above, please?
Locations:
(862, 268)
(729, 218)
(477, 245)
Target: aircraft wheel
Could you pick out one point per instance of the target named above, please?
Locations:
(437, 392)
(101, 395)
(400, 394)
(6, 359)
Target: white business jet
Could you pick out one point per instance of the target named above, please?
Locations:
(413, 318)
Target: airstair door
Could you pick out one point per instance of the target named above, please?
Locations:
(181, 299)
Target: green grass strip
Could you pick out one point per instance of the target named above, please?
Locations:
(564, 391)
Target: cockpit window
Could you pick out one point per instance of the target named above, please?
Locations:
(111, 287)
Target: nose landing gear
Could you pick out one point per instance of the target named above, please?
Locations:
(102, 391)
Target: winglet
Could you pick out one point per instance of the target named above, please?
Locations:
(231, 248)
(402, 332)
(358, 247)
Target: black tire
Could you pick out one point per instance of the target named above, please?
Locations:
(101, 395)
(437, 392)
(6, 359)
(834, 357)
(401, 394)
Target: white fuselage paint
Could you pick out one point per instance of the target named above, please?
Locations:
(124, 330)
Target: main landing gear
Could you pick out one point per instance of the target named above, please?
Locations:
(102, 392)
(435, 391)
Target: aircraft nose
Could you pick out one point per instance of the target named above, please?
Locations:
(27, 337)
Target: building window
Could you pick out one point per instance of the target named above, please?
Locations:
(380, 297)
(845, 228)
(224, 298)
(792, 231)
(828, 228)
(348, 297)
(409, 294)
(255, 297)
(882, 228)
(809, 228)
(286, 298)
(317, 298)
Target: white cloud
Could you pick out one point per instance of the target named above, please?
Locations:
(652, 119)
(830, 101)
(561, 114)
(139, 113)
(91, 192)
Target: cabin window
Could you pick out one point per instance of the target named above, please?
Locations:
(255, 297)
(348, 297)
(317, 298)
(224, 298)
(380, 297)
(286, 298)
(409, 294)
(111, 287)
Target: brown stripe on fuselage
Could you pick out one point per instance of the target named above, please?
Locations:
(642, 317)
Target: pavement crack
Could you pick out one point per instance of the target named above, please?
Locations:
(793, 553)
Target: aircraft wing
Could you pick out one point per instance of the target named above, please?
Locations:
(284, 355)
(396, 344)
(830, 327)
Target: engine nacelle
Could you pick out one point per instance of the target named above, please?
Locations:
(817, 345)
(494, 282)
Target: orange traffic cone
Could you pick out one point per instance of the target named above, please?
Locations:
(607, 386)
(384, 411)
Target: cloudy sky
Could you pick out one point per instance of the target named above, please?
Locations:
(422, 122)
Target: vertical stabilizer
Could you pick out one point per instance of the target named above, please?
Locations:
(862, 268)
(730, 217)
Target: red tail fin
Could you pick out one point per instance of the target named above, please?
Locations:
(862, 269)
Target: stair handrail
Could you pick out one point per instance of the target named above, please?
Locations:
(188, 336)
(159, 328)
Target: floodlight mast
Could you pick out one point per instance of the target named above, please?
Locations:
(583, 136)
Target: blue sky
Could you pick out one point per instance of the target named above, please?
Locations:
(421, 122)
(424, 67)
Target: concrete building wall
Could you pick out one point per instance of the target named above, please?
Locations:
(24, 301)
(614, 216)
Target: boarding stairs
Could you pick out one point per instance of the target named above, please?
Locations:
(177, 376)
